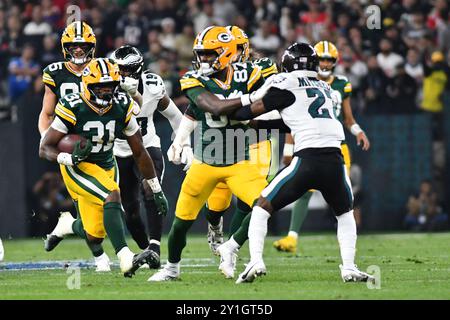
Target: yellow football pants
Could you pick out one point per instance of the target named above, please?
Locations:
(242, 179)
(260, 155)
(89, 185)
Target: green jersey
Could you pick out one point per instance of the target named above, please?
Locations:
(74, 114)
(61, 79)
(341, 89)
(220, 141)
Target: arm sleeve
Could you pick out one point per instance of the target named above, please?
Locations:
(273, 124)
(131, 128)
(173, 114)
(278, 99)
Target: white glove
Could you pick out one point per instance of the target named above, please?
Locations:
(174, 153)
(130, 85)
(249, 98)
(187, 156)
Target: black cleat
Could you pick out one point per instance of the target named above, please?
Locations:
(51, 241)
(153, 260)
(138, 260)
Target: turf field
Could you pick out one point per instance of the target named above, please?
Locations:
(412, 266)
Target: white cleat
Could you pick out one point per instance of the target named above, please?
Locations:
(352, 274)
(215, 236)
(252, 271)
(165, 274)
(102, 263)
(63, 228)
(227, 261)
(2, 251)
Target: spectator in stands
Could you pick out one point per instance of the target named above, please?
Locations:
(264, 40)
(15, 39)
(183, 46)
(401, 92)
(50, 12)
(373, 87)
(424, 212)
(167, 34)
(224, 11)
(51, 197)
(37, 26)
(51, 50)
(22, 70)
(413, 65)
(388, 60)
(133, 26)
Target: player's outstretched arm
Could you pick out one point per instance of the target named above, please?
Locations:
(353, 127)
(170, 111)
(146, 167)
(48, 147)
(48, 108)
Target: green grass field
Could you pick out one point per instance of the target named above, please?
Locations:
(413, 266)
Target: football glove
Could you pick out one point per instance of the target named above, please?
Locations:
(130, 85)
(79, 154)
(161, 203)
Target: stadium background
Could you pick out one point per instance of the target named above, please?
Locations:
(409, 143)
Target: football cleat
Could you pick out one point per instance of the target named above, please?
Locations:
(167, 273)
(252, 271)
(227, 261)
(215, 236)
(102, 263)
(51, 241)
(153, 259)
(130, 262)
(286, 244)
(354, 275)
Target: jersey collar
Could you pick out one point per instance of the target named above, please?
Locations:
(71, 70)
(99, 111)
(305, 73)
(227, 84)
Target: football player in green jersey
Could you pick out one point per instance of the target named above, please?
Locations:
(100, 114)
(216, 88)
(342, 90)
(260, 153)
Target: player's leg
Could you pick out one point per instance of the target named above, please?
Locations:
(97, 187)
(287, 186)
(2, 251)
(336, 189)
(197, 186)
(218, 202)
(154, 219)
(298, 215)
(129, 193)
(246, 183)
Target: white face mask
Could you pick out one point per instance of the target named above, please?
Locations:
(205, 69)
(324, 73)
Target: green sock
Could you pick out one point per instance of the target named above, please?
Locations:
(177, 238)
(96, 248)
(299, 212)
(112, 218)
(238, 216)
(241, 235)
(213, 217)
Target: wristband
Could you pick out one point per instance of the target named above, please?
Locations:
(154, 185)
(355, 129)
(245, 100)
(65, 159)
(288, 150)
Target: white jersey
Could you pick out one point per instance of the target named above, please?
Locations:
(153, 91)
(311, 118)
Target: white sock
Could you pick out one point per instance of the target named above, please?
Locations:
(158, 243)
(173, 267)
(257, 232)
(125, 251)
(293, 234)
(346, 234)
(232, 244)
(101, 257)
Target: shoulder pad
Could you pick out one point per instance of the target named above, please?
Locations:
(153, 84)
(282, 81)
(191, 79)
(342, 78)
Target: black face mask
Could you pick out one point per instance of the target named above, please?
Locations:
(102, 97)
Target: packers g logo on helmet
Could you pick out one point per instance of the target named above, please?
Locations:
(219, 41)
(80, 34)
(242, 43)
(326, 50)
(101, 79)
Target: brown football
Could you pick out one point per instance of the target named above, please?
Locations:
(67, 143)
